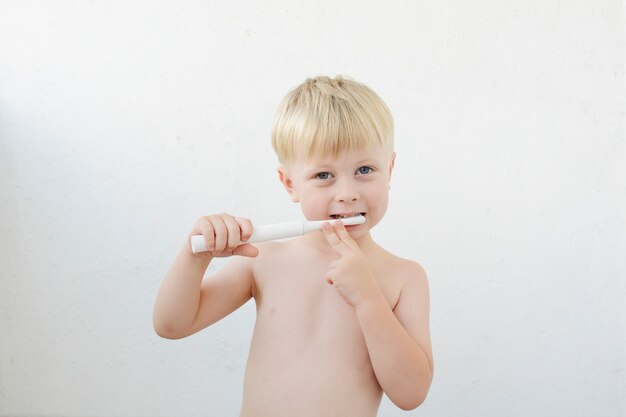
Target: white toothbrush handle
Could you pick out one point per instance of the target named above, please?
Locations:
(259, 234)
(278, 231)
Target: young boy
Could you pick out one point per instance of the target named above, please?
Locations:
(339, 318)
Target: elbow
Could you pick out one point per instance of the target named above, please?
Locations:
(165, 326)
(166, 330)
(413, 399)
(165, 334)
(410, 404)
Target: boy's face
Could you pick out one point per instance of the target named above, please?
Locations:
(356, 182)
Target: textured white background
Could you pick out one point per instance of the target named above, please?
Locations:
(122, 122)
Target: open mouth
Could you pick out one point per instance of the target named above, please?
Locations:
(346, 215)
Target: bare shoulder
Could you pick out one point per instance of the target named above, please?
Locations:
(407, 264)
(413, 272)
(408, 271)
(414, 278)
(399, 277)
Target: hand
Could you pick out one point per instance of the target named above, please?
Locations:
(224, 235)
(351, 273)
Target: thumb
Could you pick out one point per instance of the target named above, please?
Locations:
(246, 250)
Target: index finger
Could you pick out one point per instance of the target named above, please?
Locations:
(333, 239)
(343, 234)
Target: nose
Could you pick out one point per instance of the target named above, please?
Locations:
(347, 192)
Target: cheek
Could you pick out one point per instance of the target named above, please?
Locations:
(378, 199)
(313, 203)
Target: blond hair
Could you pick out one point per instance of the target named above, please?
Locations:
(325, 116)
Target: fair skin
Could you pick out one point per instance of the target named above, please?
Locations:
(339, 319)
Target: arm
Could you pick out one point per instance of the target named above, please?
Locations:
(185, 303)
(399, 345)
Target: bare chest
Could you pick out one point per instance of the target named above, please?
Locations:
(299, 302)
(295, 302)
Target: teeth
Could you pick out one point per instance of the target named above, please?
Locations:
(341, 216)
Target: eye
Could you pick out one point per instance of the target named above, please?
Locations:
(365, 170)
(323, 175)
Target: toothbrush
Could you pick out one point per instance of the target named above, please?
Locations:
(280, 231)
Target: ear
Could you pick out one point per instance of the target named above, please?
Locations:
(393, 161)
(287, 182)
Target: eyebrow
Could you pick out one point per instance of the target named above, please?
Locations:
(368, 161)
(313, 170)
(324, 166)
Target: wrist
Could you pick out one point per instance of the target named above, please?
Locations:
(201, 259)
(371, 305)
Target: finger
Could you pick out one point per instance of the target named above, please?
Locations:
(329, 233)
(341, 231)
(333, 239)
(246, 228)
(208, 232)
(221, 233)
(343, 234)
(246, 250)
(234, 233)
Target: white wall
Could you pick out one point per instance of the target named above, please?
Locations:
(122, 122)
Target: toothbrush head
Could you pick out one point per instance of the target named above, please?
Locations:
(351, 221)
